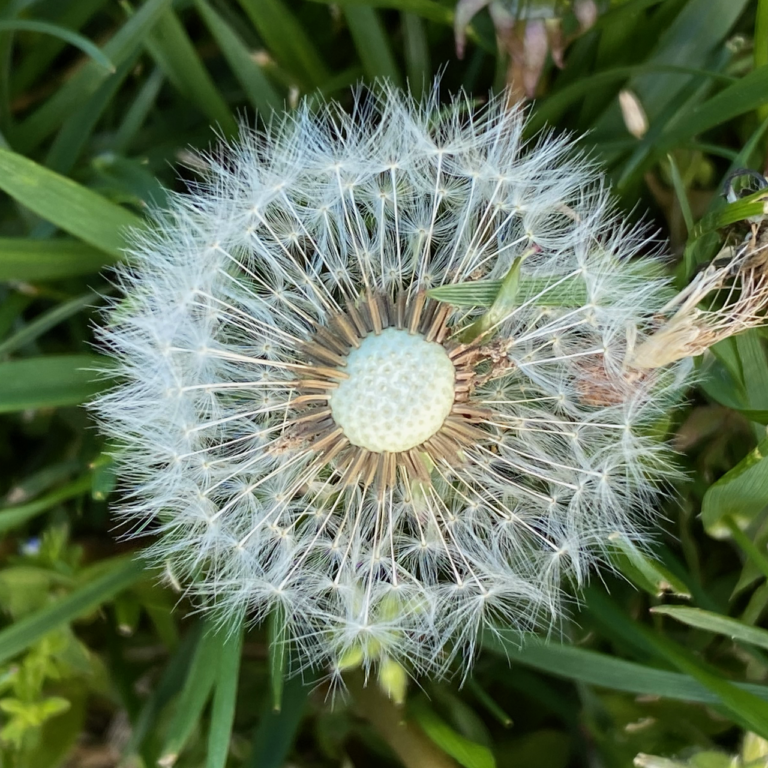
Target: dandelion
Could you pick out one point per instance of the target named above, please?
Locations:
(309, 424)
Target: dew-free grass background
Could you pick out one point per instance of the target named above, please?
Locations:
(101, 664)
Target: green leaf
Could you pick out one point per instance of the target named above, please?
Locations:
(602, 670)
(553, 105)
(249, 74)
(740, 493)
(49, 381)
(76, 91)
(427, 9)
(83, 43)
(276, 731)
(371, 43)
(755, 554)
(66, 204)
(417, 60)
(46, 321)
(714, 622)
(12, 517)
(286, 39)
(746, 94)
(197, 688)
(643, 571)
(545, 292)
(120, 573)
(747, 709)
(681, 192)
(172, 49)
(468, 753)
(278, 656)
(224, 699)
(23, 259)
(503, 305)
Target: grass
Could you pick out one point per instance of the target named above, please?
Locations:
(100, 102)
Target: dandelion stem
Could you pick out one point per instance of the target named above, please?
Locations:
(414, 748)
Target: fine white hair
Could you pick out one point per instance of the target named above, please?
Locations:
(294, 223)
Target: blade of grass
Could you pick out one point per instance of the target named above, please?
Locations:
(46, 321)
(224, 699)
(24, 259)
(748, 710)
(83, 43)
(714, 622)
(286, 39)
(739, 495)
(602, 670)
(249, 74)
(139, 110)
(12, 517)
(278, 656)
(417, 61)
(47, 118)
(682, 193)
(371, 43)
(427, 9)
(63, 202)
(78, 127)
(276, 730)
(173, 51)
(119, 574)
(49, 381)
(760, 42)
(195, 693)
(747, 545)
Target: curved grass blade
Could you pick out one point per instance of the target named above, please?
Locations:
(76, 91)
(26, 259)
(49, 381)
(83, 43)
(714, 622)
(173, 51)
(371, 43)
(255, 83)
(120, 574)
(46, 321)
(12, 517)
(593, 668)
(70, 206)
(197, 688)
(224, 699)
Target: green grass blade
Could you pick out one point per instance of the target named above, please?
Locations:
(745, 95)
(197, 688)
(139, 110)
(714, 622)
(224, 699)
(63, 202)
(467, 753)
(427, 9)
(83, 43)
(750, 549)
(46, 321)
(748, 710)
(76, 91)
(278, 656)
(173, 51)
(249, 74)
(682, 194)
(49, 381)
(418, 67)
(120, 574)
(741, 493)
(371, 43)
(602, 670)
(77, 129)
(644, 572)
(276, 730)
(12, 517)
(33, 260)
(286, 39)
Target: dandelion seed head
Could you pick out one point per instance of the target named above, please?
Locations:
(303, 426)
